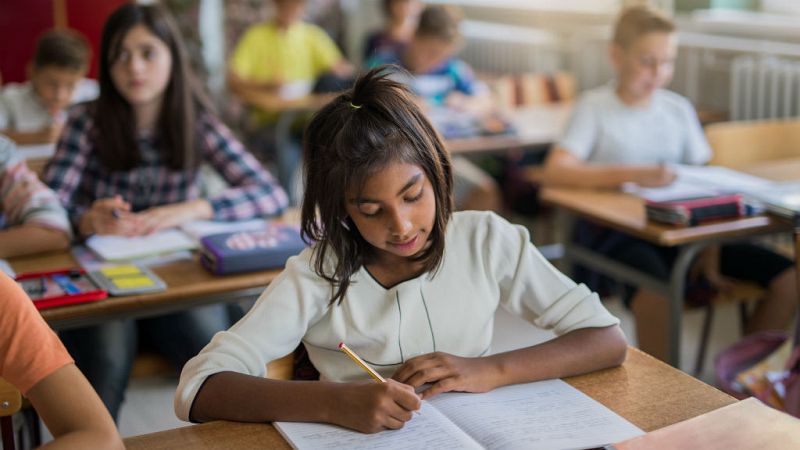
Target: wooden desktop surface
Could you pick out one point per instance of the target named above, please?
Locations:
(186, 282)
(625, 212)
(534, 125)
(645, 391)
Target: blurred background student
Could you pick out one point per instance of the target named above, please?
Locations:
(400, 22)
(128, 164)
(443, 81)
(284, 57)
(33, 219)
(34, 112)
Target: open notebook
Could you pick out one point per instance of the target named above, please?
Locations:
(543, 415)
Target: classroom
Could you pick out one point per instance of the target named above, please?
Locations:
(403, 224)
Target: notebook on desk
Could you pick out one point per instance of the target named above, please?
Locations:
(122, 248)
(548, 414)
(459, 125)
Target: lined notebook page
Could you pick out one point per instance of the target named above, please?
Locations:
(547, 414)
(543, 415)
(428, 429)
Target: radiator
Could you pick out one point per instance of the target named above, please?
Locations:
(764, 88)
(509, 49)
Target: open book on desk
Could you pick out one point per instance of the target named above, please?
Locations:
(123, 248)
(547, 414)
(187, 237)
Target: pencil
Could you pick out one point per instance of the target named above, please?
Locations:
(361, 363)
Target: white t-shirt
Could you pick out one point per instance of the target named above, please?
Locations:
(605, 130)
(22, 111)
(488, 263)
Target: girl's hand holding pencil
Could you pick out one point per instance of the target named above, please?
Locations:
(376, 405)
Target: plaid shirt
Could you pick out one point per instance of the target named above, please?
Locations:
(79, 178)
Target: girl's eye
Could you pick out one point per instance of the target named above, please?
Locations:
(148, 54)
(123, 56)
(369, 211)
(416, 197)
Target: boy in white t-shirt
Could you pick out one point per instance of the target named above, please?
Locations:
(33, 112)
(625, 132)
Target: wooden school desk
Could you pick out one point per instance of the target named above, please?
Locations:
(645, 391)
(188, 285)
(536, 126)
(625, 213)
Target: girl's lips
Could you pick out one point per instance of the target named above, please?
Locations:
(406, 244)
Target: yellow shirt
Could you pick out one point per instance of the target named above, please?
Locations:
(267, 54)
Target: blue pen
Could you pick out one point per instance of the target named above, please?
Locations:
(64, 282)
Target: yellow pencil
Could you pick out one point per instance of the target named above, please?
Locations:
(361, 363)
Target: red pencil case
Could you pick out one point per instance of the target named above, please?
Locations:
(49, 289)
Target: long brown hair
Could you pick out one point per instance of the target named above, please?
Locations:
(374, 124)
(183, 100)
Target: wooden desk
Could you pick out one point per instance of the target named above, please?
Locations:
(644, 390)
(189, 286)
(626, 213)
(535, 125)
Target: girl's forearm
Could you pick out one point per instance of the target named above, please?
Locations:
(245, 398)
(578, 352)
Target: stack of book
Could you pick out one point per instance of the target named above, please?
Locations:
(692, 211)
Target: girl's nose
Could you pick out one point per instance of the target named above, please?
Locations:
(400, 225)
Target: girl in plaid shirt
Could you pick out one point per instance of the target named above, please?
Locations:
(129, 164)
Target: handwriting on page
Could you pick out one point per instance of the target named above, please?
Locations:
(546, 414)
(429, 429)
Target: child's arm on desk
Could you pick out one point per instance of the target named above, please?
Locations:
(28, 239)
(565, 169)
(580, 351)
(367, 406)
(46, 135)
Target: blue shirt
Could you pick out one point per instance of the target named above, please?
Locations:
(434, 86)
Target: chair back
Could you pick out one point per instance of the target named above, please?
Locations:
(738, 144)
(10, 403)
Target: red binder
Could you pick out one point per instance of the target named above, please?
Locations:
(59, 287)
(693, 211)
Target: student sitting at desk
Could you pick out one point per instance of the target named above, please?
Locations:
(440, 80)
(284, 57)
(34, 361)
(400, 22)
(34, 112)
(410, 286)
(32, 219)
(128, 164)
(624, 132)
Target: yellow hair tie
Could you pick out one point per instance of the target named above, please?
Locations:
(355, 106)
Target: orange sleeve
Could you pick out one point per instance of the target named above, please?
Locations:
(29, 349)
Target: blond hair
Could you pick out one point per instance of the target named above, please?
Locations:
(639, 20)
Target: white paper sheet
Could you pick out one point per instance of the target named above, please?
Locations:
(543, 415)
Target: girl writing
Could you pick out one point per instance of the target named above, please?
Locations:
(406, 283)
(129, 164)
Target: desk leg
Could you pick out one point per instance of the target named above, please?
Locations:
(677, 286)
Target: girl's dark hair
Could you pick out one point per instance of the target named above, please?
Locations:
(183, 100)
(360, 132)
